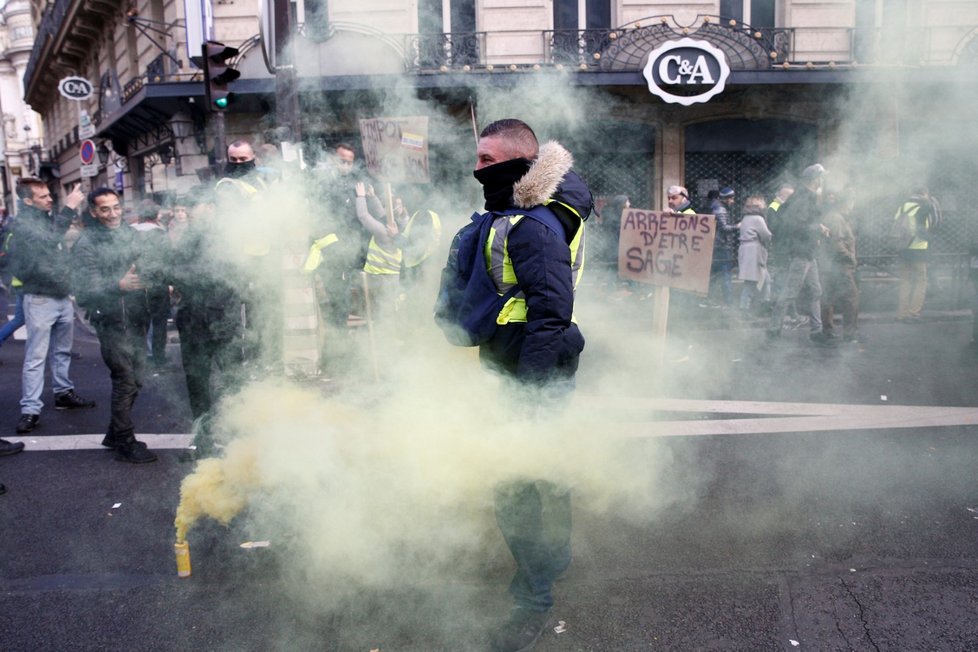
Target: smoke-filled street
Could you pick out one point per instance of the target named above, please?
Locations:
(791, 501)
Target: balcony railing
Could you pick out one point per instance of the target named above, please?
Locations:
(747, 48)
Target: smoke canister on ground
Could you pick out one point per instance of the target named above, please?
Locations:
(182, 551)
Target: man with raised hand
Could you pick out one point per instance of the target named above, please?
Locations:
(39, 259)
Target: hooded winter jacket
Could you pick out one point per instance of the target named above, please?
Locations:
(539, 258)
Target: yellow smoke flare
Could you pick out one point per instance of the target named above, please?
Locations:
(219, 487)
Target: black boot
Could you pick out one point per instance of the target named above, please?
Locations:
(134, 452)
(521, 632)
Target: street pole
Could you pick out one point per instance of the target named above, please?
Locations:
(220, 144)
(286, 80)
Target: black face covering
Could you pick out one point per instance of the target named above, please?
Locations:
(497, 182)
(237, 170)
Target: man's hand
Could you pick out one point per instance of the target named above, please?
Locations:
(360, 189)
(75, 197)
(131, 281)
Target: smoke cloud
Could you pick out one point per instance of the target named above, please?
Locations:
(386, 483)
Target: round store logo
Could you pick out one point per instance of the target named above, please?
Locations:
(686, 71)
(75, 88)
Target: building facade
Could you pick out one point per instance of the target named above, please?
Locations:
(21, 138)
(879, 91)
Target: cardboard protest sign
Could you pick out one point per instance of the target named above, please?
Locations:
(668, 249)
(396, 149)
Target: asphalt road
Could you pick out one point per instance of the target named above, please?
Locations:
(856, 531)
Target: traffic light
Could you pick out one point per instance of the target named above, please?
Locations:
(218, 74)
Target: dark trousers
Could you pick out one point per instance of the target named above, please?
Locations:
(840, 291)
(534, 516)
(535, 520)
(200, 360)
(158, 318)
(124, 353)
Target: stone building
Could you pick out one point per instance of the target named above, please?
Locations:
(21, 140)
(873, 89)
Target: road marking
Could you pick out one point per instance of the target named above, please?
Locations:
(91, 442)
(635, 417)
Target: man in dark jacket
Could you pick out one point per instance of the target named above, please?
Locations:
(39, 259)
(799, 233)
(537, 344)
(111, 281)
(726, 244)
(208, 317)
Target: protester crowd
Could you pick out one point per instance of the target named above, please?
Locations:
(131, 275)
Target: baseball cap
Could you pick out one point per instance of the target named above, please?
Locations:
(813, 172)
(726, 192)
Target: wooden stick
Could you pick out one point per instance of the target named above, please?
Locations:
(475, 130)
(370, 326)
(390, 205)
(660, 319)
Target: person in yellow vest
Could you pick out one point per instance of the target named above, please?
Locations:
(677, 199)
(921, 214)
(240, 171)
(384, 257)
(536, 246)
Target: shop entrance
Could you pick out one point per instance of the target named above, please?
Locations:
(750, 156)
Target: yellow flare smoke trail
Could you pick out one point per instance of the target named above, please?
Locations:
(218, 487)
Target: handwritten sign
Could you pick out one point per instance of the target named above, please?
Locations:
(668, 249)
(396, 149)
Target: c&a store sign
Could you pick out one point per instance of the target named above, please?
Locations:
(686, 71)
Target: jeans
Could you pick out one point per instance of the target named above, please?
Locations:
(50, 333)
(8, 329)
(723, 268)
(912, 271)
(124, 353)
(800, 279)
(535, 520)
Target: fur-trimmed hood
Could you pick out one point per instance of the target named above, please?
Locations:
(551, 175)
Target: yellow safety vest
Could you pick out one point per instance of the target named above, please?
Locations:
(417, 254)
(775, 205)
(501, 265)
(247, 189)
(381, 261)
(911, 208)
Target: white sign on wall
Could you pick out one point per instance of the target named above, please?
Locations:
(686, 71)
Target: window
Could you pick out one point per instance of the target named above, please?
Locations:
(756, 13)
(597, 14)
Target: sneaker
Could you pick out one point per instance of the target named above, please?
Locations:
(27, 423)
(821, 339)
(134, 452)
(10, 447)
(71, 401)
(522, 631)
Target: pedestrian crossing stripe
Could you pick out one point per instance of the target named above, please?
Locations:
(636, 418)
